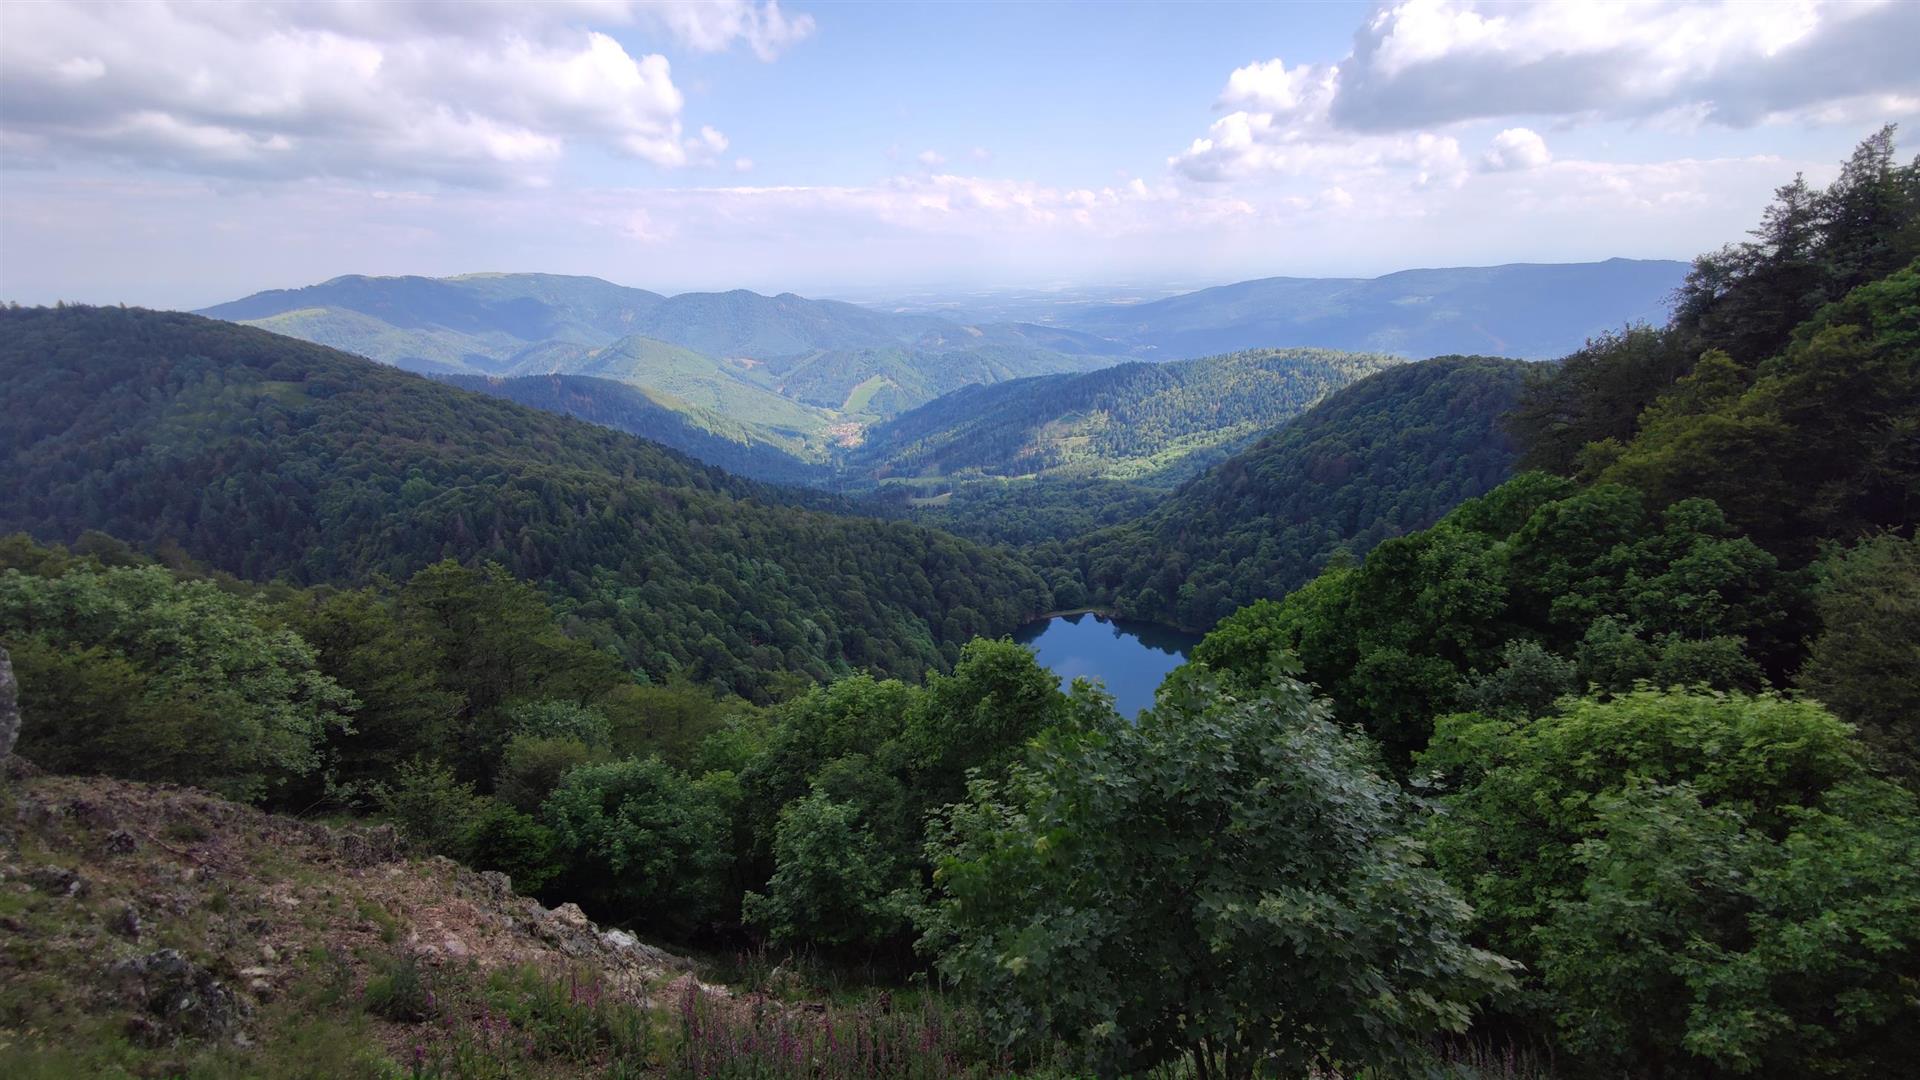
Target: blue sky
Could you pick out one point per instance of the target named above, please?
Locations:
(178, 154)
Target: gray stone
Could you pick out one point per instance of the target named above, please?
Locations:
(126, 922)
(9, 706)
(178, 996)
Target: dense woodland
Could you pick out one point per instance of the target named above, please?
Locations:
(1383, 457)
(1135, 422)
(700, 433)
(264, 456)
(1611, 768)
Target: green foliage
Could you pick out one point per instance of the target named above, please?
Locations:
(1527, 682)
(1227, 882)
(743, 449)
(1783, 389)
(644, 839)
(1688, 870)
(269, 457)
(852, 770)
(1385, 456)
(502, 838)
(832, 881)
(554, 719)
(1815, 442)
(399, 993)
(1588, 575)
(130, 671)
(431, 807)
(1865, 665)
(1159, 422)
(533, 766)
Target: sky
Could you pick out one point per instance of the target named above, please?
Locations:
(180, 154)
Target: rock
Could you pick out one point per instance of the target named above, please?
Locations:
(122, 842)
(57, 880)
(568, 929)
(570, 916)
(126, 922)
(498, 884)
(360, 848)
(267, 954)
(622, 942)
(178, 997)
(9, 706)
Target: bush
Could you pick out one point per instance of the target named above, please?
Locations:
(130, 672)
(643, 839)
(399, 993)
(430, 806)
(504, 839)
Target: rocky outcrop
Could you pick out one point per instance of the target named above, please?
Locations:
(176, 997)
(9, 706)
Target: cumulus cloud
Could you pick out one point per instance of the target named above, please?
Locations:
(715, 25)
(932, 159)
(1425, 62)
(1391, 115)
(467, 94)
(1516, 148)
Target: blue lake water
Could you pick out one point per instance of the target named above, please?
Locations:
(1130, 658)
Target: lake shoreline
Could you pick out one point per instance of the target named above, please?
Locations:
(1111, 616)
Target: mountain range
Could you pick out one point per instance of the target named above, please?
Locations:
(802, 385)
(1531, 311)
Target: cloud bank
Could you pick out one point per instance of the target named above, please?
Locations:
(466, 94)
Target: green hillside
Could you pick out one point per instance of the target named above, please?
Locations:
(703, 434)
(266, 457)
(1384, 456)
(730, 389)
(1158, 422)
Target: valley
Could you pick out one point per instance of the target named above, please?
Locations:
(1498, 673)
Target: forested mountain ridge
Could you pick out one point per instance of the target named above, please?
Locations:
(266, 456)
(1386, 455)
(827, 353)
(1532, 311)
(1131, 422)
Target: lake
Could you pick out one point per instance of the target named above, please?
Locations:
(1129, 657)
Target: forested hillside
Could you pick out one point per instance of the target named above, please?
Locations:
(265, 456)
(1132, 422)
(703, 434)
(1387, 455)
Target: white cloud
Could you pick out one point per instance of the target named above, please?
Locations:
(1425, 62)
(1387, 120)
(1516, 148)
(714, 25)
(932, 159)
(480, 94)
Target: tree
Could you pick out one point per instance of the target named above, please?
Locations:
(132, 672)
(1227, 883)
(832, 883)
(1703, 943)
(432, 807)
(1690, 879)
(643, 840)
(1865, 665)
